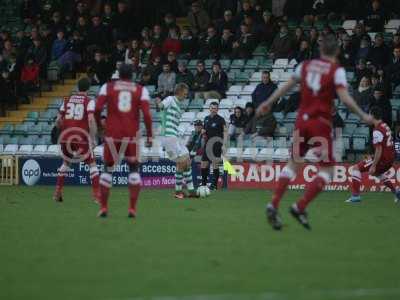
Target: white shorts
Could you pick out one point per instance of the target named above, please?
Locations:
(175, 147)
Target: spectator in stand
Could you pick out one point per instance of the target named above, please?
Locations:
(122, 22)
(100, 70)
(145, 78)
(299, 36)
(171, 60)
(184, 75)
(313, 39)
(268, 28)
(249, 114)
(98, 36)
(379, 54)
(375, 17)
(59, 46)
(196, 142)
(108, 16)
(396, 41)
(132, 51)
(8, 92)
(364, 49)
(147, 52)
(172, 42)
(188, 43)
(3, 64)
(56, 24)
(155, 69)
(28, 10)
(136, 69)
(226, 23)
(363, 93)
(347, 52)
(247, 9)
(358, 34)
(73, 52)
(166, 82)
(291, 104)
(226, 44)
(169, 21)
(379, 99)
(393, 69)
(244, 46)
(209, 44)
(39, 55)
(263, 90)
(218, 83)
(384, 80)
(29, 78)
(251, 25)
(158, 36)
(80, 10)
(118, 52)
(303, 53)
(198, 19)
(283, 45)
(201, 79)
(82, 27)
(236, 124)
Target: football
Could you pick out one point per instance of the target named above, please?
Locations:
(203, 191)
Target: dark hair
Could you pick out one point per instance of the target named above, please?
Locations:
(125, 71)
(84, 84)
(329, 45)
(266, 73)
(216, 63)
(249, 104)
(200, 62)
(376, 112)
(214, 103)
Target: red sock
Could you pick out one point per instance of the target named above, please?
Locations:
(355, 182)
(62, 172)
(105, 185)
(280, 190)
(390, 185)
(134, 190)
(312, 190)
(95, 179)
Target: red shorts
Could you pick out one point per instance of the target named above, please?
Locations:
(115, 151)
(381, 168)
(76, 152)
(313, 134)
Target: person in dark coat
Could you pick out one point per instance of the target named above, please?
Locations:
(263, 90)
(379, 99)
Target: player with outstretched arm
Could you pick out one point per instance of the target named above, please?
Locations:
(320, 81)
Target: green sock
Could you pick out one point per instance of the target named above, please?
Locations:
(189, 179)
(178, 181)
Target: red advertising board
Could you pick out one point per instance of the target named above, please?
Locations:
(265, 176)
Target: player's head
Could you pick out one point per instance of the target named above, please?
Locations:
(214, 108)
(376, 112)
(181, 91)
(329, 46)
(84, 84)
(125, 72)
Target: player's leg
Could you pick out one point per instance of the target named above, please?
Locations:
(356, 177)
(204, 165)
(180, 167)
(298, 210)
(216, 162)
(288, 173)
(106, 177)
(134, 184)
(188, 177)
(88, 157)
(61, 173)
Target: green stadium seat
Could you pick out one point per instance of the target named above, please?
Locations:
(196, 104)
(32, 116)
(21, 129)
(237, 64)
(56, 103)
(225, 64)
(26, 141)
(7, 129)
(252, 64)
(359, 144)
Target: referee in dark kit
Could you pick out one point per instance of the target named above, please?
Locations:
(214, 131)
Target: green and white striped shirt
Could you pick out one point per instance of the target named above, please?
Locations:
(172, 116)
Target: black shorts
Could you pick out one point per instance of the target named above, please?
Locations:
(216, 151)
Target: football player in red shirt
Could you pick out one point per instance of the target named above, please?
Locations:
(383, 160)
(78, 126)
(124, 100)
(320, 81)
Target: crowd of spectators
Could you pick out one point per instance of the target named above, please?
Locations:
(97, 36)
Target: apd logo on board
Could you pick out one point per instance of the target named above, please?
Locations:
(31, 172)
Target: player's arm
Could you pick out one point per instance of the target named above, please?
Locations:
(349, 101)
(92, 127)
(266, 106)
(145, 108)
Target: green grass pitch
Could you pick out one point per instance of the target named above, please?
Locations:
(215, 248)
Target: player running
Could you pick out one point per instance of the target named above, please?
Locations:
(124, 100)
(383, 160)
(78, 126)
(174, 145)
(320, 80)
